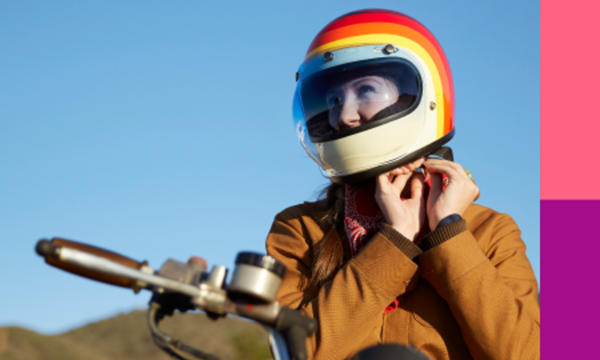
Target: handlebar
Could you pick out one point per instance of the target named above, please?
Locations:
(51, 251)
(178, 286)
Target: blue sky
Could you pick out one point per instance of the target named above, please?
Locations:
(163, 129)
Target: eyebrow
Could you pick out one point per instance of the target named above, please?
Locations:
(377, 79)
(358, 81)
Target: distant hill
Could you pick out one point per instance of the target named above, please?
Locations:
(126, 337)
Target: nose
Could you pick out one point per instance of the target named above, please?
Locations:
(349, 116)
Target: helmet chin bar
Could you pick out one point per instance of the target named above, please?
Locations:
(445, 152)
(436, 148)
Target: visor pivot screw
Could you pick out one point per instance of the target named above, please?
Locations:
(432, 105)
(297, 76)
(328, 56)
(389, 49)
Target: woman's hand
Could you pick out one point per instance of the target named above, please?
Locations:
(456, 198)
(405, 216)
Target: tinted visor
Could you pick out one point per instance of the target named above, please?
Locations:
(350, 98)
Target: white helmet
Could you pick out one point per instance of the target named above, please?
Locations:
(374, 92)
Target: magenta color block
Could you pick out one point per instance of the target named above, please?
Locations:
(570, 285)
(570, 82)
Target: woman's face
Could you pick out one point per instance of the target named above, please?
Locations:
(357, 101)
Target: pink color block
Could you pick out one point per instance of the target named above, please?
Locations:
(570, 100)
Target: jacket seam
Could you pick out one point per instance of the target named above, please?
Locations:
(371, 280)
(507, 249)
(466, 273)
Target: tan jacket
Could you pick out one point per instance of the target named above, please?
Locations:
(474, 296)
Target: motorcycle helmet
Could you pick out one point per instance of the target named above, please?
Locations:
(374, 92)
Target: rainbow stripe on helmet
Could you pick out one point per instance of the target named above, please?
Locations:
(372, 27)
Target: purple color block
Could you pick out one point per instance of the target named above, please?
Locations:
(570, 257)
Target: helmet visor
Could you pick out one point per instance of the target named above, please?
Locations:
(350, 98)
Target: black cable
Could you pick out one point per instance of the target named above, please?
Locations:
(166, 343)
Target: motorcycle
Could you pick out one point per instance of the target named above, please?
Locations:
(189, 286)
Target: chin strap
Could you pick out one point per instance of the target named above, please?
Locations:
(445, 152)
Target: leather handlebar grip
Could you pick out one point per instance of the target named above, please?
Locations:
(48, 249)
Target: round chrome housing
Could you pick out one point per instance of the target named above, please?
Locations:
(256, 278)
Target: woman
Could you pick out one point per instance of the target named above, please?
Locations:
(396, 252)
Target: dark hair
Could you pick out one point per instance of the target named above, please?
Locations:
(329, 252)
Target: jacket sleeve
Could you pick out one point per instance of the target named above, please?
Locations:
(351, 304)
(491, 290)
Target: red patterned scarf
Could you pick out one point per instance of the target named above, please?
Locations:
(363, 219)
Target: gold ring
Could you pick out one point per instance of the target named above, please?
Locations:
(469, 174)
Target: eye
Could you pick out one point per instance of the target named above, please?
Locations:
(333, 101)
(364, 90)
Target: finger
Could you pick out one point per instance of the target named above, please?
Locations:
(403, 170)
(416, 186)
(399, 171)
(419, 162)
(447, 168)
(382, 180)
(437, 181)
(410, 167)
(444, 163)
(385, 182)
(396, 172)
(435, 190)
(415, 164)
(388, 177)
(419, 192)
(400, 181)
